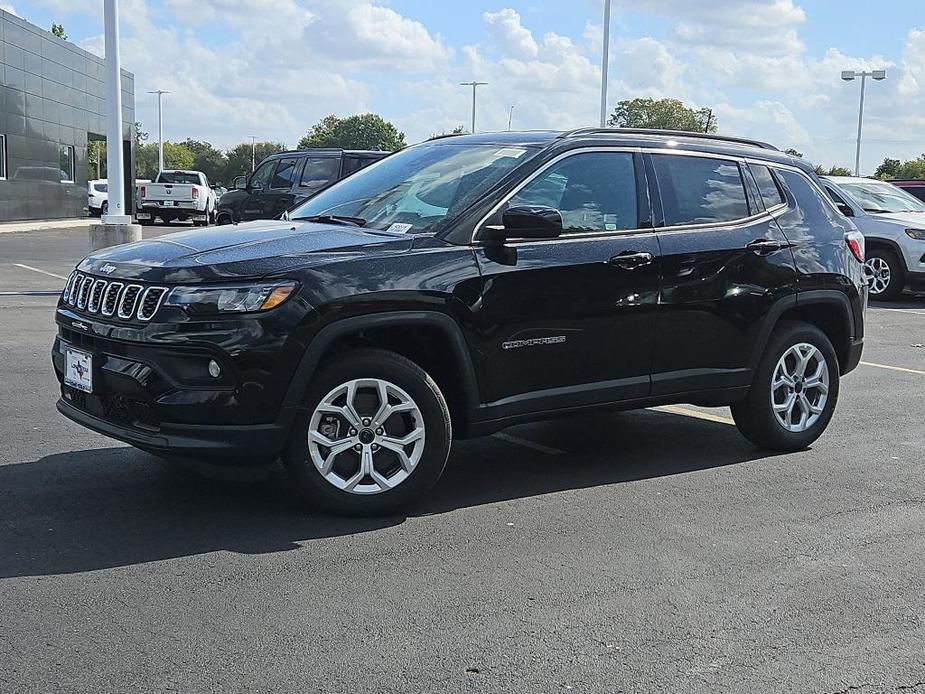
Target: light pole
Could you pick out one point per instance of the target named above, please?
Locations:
(848, 76)
(253, 152)
(114, 159)
(116, 225)
(473, 84)
(160, 128)
(510, 118)
(605, 62)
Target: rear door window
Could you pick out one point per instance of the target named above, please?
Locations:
(319, 170)
(700, 190)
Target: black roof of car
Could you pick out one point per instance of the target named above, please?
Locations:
(330, 151)
(635, 137)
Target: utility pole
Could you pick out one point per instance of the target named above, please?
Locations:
(473, 84)
(253, 152)
(605, 62)
(706, 128)
(510, 118)
(160, 128)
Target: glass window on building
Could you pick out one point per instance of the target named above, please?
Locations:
(66, 163)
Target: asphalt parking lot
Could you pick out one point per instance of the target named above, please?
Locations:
(651, 551)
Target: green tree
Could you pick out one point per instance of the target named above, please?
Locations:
(833, 171)
(176, 156)
(58, 31)
(206, 158)
(662, 114)
(238, 158)
(140, 134)
(366, 131)
(793, 153)
(888, 169)
(96, 158)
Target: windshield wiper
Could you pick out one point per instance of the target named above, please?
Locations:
(332, 219)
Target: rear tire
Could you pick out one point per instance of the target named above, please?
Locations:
(223, 218)
(764, 415)
(884, 273)
(371, 460)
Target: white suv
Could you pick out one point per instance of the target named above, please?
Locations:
(893, 224)
(98, 197)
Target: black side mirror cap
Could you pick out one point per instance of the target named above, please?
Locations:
(531, 222)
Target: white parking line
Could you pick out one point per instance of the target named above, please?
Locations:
(893, 368)
(35, 269)
(898, 310)
(697, 414)
(516, 440)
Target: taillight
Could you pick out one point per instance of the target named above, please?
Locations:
(142, 191)
(195, 193)
(855, 242)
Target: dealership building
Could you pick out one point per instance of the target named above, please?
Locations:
(52, 104)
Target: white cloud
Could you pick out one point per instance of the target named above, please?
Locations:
(7, 7)
(511, 37)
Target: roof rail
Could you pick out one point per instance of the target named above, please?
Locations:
(673, 133)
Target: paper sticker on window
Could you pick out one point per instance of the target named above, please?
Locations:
(512, 152)
(399, 227)
(610, 222)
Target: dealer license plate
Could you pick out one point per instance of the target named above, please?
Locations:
(78, 369)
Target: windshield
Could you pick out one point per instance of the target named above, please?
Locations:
(881, 197)
(177, 177)
(415, 189)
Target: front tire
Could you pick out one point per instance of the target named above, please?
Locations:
(884, 275)
(373, 435)
(794, 391)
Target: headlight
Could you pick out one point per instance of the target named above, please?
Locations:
(917, 234)
(232, 298)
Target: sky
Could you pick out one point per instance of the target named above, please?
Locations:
(769, 69)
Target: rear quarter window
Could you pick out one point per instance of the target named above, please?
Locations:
(767, 185)
(700, 190)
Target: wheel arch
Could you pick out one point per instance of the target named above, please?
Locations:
(431, 339)
(816, 308)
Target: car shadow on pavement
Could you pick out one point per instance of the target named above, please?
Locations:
(104, 508)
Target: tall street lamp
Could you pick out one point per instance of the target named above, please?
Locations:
(473, 84)
(605, 62)
(848, 76)
(253, 152)
(160, 129)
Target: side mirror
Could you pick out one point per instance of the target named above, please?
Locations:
(528, 222)
(844, 209)
(240, 183)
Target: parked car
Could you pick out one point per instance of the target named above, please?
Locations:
(98, 197)
(286, 179)
(915, 188)
(176, 194)
(467, 284)
(893, 224)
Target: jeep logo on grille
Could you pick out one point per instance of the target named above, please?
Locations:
(108, 268)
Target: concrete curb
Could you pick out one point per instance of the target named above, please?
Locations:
(46, 224)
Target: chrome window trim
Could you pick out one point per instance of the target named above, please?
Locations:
(141, 302)
(118, 286)
(730, 224)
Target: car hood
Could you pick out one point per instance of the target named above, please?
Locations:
(910, 219)
(239, 251)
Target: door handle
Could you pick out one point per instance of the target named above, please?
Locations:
(630, 260)
(764, 246)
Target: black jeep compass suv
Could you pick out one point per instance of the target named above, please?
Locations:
(466, 284)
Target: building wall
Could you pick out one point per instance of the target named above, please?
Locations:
(52, 94)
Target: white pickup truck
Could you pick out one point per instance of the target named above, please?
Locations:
(179, 195)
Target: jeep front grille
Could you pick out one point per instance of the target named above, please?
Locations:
(112, 299)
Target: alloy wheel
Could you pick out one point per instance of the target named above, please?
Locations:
(878, 274)
(800, 387)
(366, 436)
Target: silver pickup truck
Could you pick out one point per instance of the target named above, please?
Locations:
(176, 194)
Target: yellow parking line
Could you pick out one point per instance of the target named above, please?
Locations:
(893, 368)
(697, 414)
